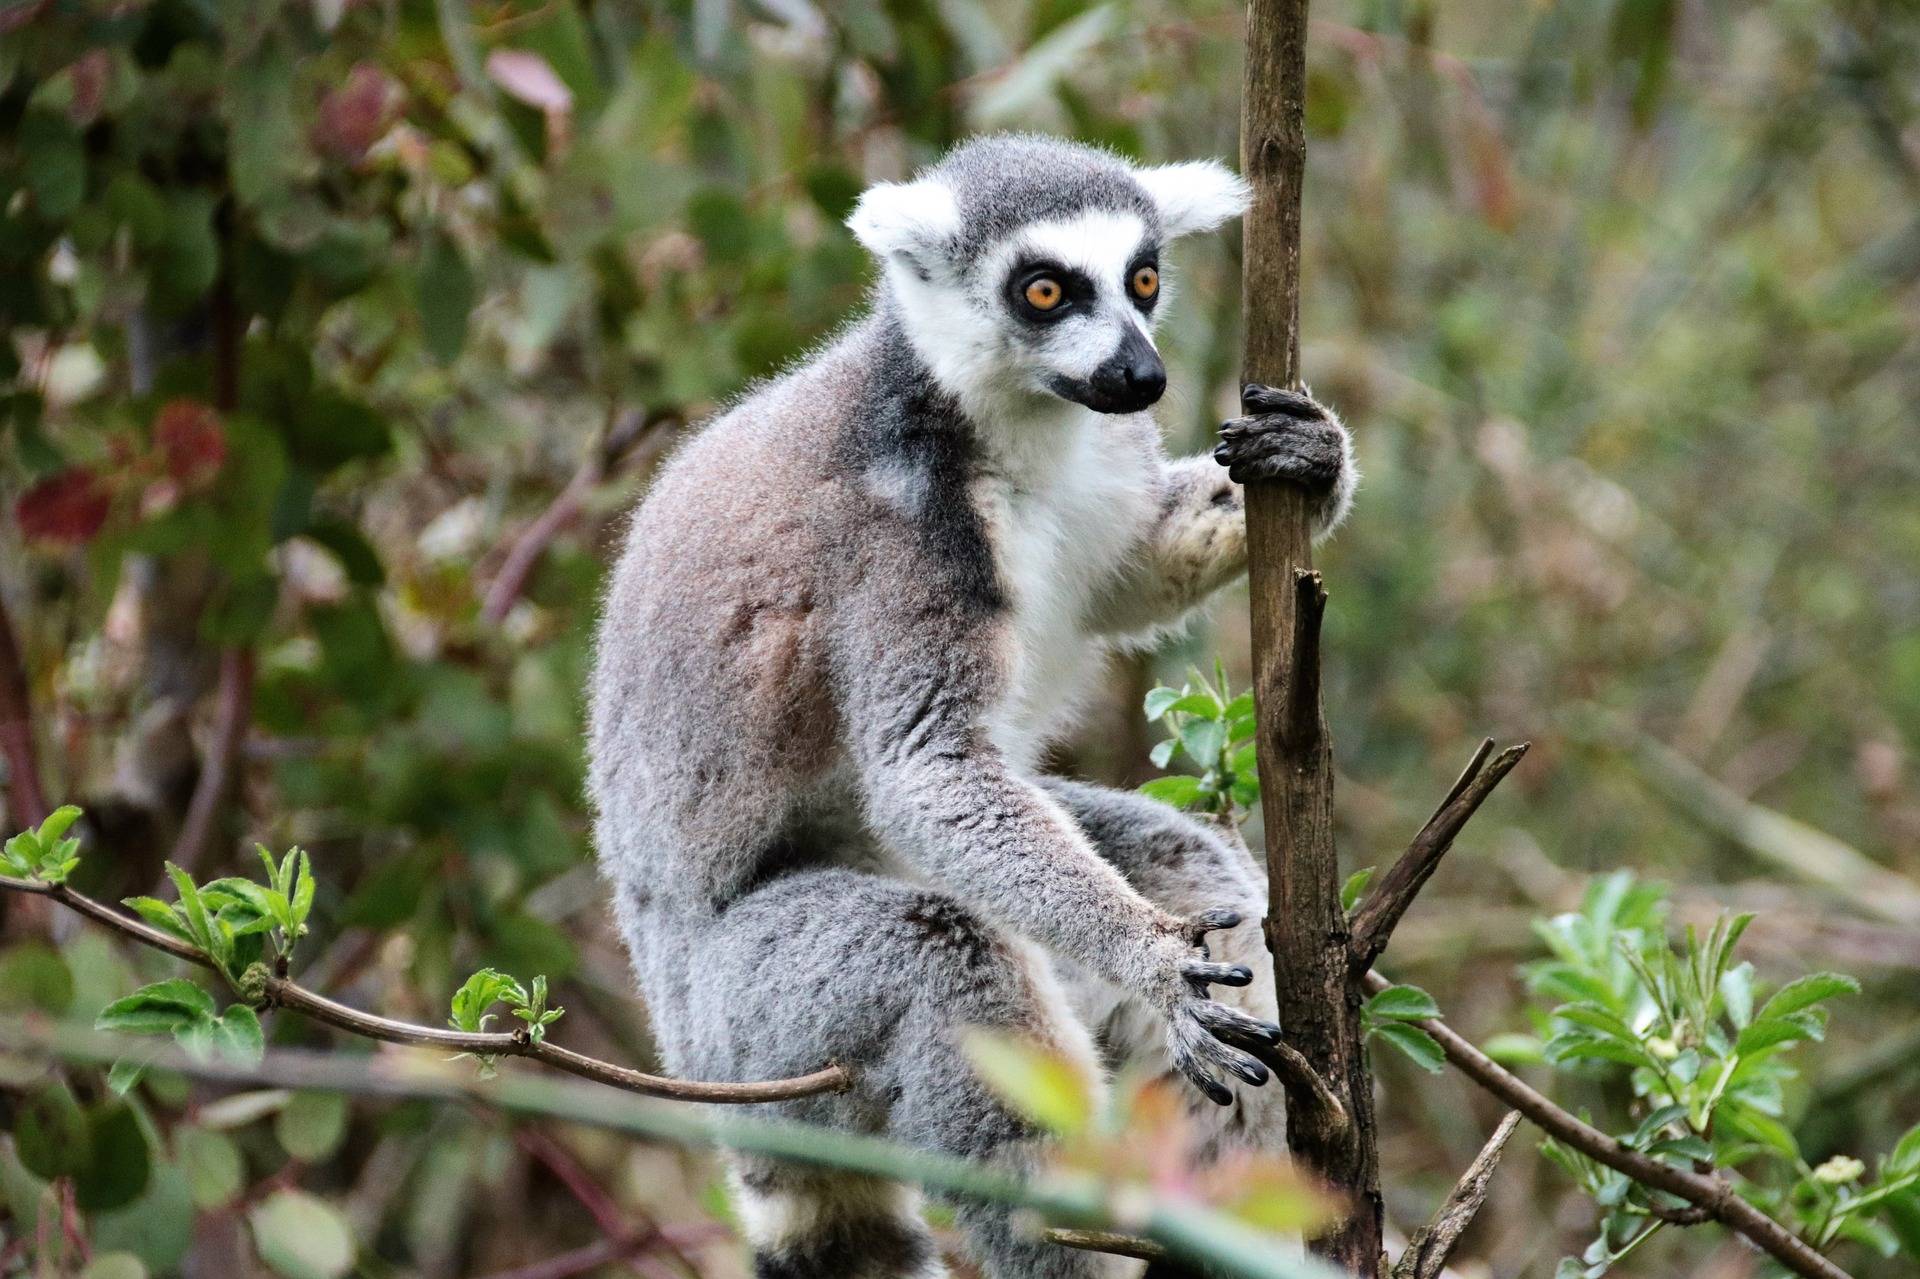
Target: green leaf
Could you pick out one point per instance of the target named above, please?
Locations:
(1804, 992)
(1403, 1003)
(34, 976)
(311, 1125)
(157, 1009)
(1771, 1032)
(1203, 739)
(1355, 887)
(1044, 1086)
(1159, 700)
(1736, 991)
(301, 1236)
(479, 993)
(444, 292)
(1905, 1156)
(160, 915)
(199, 924)
(118, 1162)
(302, 890)
(237, 1034)
(215, 1171)
(1179, 790)
(1423, 1049)
(57, 824)
(1162, 752)
(51, 1135)
(1584, 1045)
(1513, 1049)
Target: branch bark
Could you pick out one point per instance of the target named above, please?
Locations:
(26, 797)
(1427, 1252)
(220, 765)
(1374, 920)
(1711, 1193)
(1319, 999)
(610, 452)
(284, 993)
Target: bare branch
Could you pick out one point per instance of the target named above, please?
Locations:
(1374, 920)
(1705, 1191)
(1313, 1101)
(220, 766)
(26, 797)
(1108, 1242)
(1303, 732)
(610, 451)
(1427, 1252)
(284, 993)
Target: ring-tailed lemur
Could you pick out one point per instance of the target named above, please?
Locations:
(849, 615)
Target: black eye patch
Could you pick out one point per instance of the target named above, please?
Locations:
(1040, 291)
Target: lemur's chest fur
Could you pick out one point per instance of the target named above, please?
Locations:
(1064, 507)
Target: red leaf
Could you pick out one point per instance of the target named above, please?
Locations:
(191, 441)
(354, 116)
(90, 75)
(67, 507)
(529, 77)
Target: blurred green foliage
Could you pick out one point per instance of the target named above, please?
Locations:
(312, 308)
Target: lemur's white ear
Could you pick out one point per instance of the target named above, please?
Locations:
(1195, 196)
(913, 219)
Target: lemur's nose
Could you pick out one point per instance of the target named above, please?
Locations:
(1147, 378)
(1132, 377)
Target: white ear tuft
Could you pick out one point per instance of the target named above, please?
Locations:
(1196, 196)
(910, 218)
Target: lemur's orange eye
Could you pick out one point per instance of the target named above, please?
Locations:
(1045, 293)
(1146, 282)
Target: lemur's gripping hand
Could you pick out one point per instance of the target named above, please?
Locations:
(1287, 435)
(1204, 1036)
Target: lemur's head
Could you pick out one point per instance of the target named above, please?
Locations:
(1026, 266)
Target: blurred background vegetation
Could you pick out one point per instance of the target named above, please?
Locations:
(339, 333)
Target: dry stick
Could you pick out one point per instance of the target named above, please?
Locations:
(284, 993)
(1108, 1242)
(220, 766)
(1318, 999)
(1427, 1252)
(1374, 920)
(1711, 1193)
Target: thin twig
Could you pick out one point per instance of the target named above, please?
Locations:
(26, 797)
(220, 765)
(284, 993)
(613, 448)
(1703, 1190)
(1108, 1242)
(1374, 920)
(1307, 1090)
(1432, 1245)
(641, 1232)
(1187, 1230)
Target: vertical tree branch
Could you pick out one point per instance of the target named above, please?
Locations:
(1319, 999)
(233, 713)
(26, 797)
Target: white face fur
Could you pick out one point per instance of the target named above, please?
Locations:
(1061, 310)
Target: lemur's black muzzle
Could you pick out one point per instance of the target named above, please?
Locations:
(1131, 379)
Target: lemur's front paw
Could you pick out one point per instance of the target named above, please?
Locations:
(1204, 1036)
(1285, 436)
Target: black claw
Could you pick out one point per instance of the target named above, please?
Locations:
(1216, 1092)
(1274, 399)
(1250, 1070)
(1208, 921)
(1217, 974)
